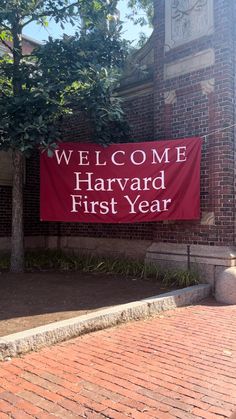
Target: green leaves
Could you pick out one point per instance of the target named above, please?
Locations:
(142, 11)
(79, 72)
(5, 35)
(62, 11)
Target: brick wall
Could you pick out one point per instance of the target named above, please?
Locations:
(198, 112)
(140, 113)
(76, 128)
(5, 211)
(28, 45)
(182, 106)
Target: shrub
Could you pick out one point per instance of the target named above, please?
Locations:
(57, 260)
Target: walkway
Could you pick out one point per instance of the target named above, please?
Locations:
(181, 364)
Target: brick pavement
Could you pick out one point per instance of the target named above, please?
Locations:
(181, 364)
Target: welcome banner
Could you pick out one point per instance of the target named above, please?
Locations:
(123, 183)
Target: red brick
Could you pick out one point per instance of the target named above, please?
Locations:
(193, 114)
(205, 415)
(111, 383)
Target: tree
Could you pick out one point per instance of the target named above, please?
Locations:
(142, 11)
(57, 78)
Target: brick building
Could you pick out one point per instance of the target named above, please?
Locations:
(181, 84)
(28, 45)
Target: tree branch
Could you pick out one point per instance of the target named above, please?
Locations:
(49, 14)
(2, 25)
(38, 3)
(6, 45)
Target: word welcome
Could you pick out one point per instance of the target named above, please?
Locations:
(121, 157)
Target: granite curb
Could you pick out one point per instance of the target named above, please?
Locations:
(43, 336)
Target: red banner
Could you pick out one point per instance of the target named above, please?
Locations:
(123, 183)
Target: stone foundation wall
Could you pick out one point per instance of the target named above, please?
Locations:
(135, 249)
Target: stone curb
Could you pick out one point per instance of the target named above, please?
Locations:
(43, 336)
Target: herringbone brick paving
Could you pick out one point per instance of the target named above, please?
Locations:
(181, 364)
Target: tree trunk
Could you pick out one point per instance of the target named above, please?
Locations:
(17, 246)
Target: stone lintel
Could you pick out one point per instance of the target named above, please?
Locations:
(129, 92)
(189, 64)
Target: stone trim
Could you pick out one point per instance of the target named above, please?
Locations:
(189, 64)
(31, 242)
(170, 97)
(220, 255)
(136, 91)
(188, 22)
(208, 219)
(87, 245)
(208, 86)
(205, 260)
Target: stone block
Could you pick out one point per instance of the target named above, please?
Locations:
(225, 288)
(111, 247)
(43, 336)
(208, 219)
(204, 259)
(186, 21)
(35, 242)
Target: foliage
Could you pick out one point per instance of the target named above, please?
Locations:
(62, 11)
(37, 90)
(180, 278)
(142, 11)
(83, 70)
(136, 269)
